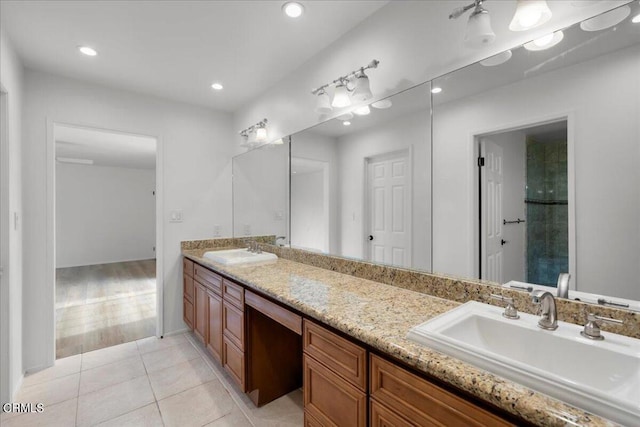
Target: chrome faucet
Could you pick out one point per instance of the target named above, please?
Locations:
(563, 285)
(549, 314)
(253, 247)
(283, 238)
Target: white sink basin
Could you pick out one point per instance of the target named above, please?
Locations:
(602, 377)
(239, 256)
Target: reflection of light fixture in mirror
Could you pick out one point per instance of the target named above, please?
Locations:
(346, 123)
(636, 19)
(89, 51)
(278, 141)
(545, 42)
(293, 9)
(341, 95)
(606, 20)
(362, 111)
(323, 103)
(217, 86)
(383, 104)
(530, 14)
(436, 89)
(345, 116)
(255, 134)
(356, 81)
(478, 32)
(498, 59)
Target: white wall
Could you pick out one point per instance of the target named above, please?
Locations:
(261, 192)
(514, 151)
(195, 147)
(11, 325)
(408, 131)
(414, 42)
(602, 97)
(104, 214)
(310, 145)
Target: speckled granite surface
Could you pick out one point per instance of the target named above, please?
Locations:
(380, 315)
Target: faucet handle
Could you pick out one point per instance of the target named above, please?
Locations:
(510, 311)
(592, 327)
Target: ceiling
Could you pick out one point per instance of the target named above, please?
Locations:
(105, 148)
(177, 49)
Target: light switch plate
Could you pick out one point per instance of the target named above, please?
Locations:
(175, 216)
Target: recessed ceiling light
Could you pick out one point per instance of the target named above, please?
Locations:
(436, 90)
(545, 42)
(293, 9)
(346, 123)
(217, 86)
(89, 51)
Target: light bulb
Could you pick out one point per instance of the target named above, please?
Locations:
(346, 123)
(87, 50)
(362, 111)
(341, 96)
(216, 86)
(436, 89)
(479, 32)
(293, 9)
(543, 41)
(261, 134)
(530, 14)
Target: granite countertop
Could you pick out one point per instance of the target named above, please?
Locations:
(380, 315)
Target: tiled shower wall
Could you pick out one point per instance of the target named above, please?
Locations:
(547, 211)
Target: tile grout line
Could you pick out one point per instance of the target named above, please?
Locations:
(238, 402)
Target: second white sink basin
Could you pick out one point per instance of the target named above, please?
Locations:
(602, 377)
(239, 256)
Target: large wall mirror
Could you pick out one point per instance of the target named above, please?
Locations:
(536, 161)
(361, 183)
(261, 191)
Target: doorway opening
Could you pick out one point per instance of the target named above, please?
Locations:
(388, 208)
(105, 238)
(524, 217)
(310, 204)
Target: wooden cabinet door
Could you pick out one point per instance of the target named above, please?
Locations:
(214, 329)
(201, 311)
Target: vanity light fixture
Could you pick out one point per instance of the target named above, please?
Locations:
(89, 51)
(530, 14)
(436, 89)
(293, 9)
(545, 42)
(254, 135)
(606, 20)
(362, 111)
(478, 32)
(352, 86)
(217, 86)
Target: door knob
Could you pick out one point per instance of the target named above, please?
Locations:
(503, 242)
(370, 237)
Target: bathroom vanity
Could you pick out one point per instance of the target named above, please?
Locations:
(343, 339)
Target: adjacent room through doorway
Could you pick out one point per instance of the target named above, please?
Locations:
(105, 218)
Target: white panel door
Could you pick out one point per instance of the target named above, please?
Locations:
(491, 203)
(389, 209)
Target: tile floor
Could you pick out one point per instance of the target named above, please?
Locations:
(149, 382)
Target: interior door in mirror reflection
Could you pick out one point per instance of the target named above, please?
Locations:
(388, 208)
(491, 177)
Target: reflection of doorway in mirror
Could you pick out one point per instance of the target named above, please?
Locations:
(310, 204)
(524, 216)
(388, 208)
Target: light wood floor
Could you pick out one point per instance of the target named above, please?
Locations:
(103, 305)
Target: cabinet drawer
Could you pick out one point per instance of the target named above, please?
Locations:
(233, 324)
(208, 278)
(280, 314)
(187, 267)
(233, 293)
(233, 359)
(381, 416)
(331, 400)
(422, 401)
(187, 287)
(343, 357)
(309, 421)
(187, 312)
